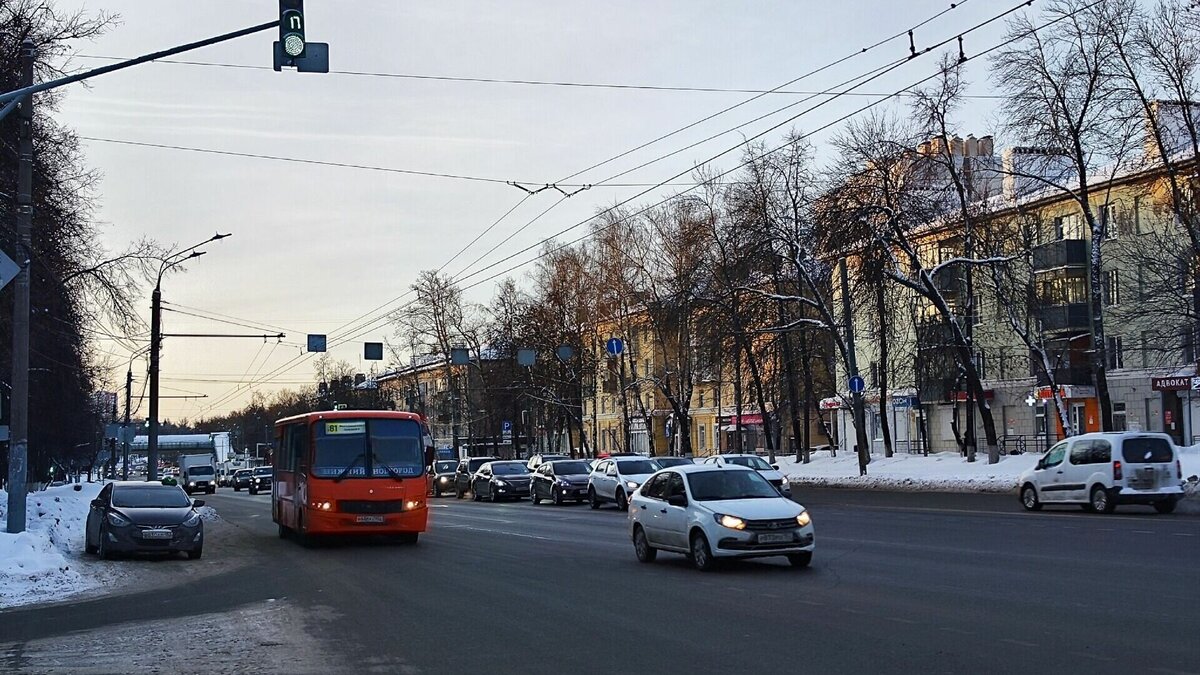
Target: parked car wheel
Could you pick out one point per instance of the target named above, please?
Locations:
(558, 498)
(237, 489)
(474, 495)
(533, 496)
(458, 493)
(1029, 498)
(102, 547)
(622, 500)
(803, 559)
(1100, 501)
(253, 491)
(87, 545)
(1165, 506)
(195, 555)
(701, 554)
(593, 500)
(645, 552)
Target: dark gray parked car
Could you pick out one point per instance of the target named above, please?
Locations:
(560, 480)
(465, 472)
(441, 476)
(500, 480)
(141, 517)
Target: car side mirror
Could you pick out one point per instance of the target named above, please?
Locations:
(197, 503)
(98, 503)
(677, 500)
(775, 466)
(1040, 465)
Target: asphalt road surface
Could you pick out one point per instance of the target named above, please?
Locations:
(913, 583)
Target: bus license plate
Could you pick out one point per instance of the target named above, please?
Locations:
(371, 520)
(774, 538)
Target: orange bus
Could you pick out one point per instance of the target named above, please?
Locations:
(351, 472)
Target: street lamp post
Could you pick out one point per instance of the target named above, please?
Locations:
(169, 262)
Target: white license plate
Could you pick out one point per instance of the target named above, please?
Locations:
(369, 519)
(774, 538)
(156, 534)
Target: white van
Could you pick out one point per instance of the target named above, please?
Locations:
(1101, 470)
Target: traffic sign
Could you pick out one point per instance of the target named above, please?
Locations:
(506, 426)
(526, 357)
(614, 346)
(857, 385)
(373, 351)
(8, 269)
(316, 343)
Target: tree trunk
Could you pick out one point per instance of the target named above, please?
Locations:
(806, 445)
(884, 406)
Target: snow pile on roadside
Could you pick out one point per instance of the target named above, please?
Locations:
(943, 472)
(41, 563)
(208, 513)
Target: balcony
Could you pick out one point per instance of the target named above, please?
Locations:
(1062, 253)
(1074, 316)
(1065, 375)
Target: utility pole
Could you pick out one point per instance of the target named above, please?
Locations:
(155, 344)
(856, 399)
(18, 448)
(125, 427)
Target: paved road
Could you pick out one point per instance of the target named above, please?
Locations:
(900, 583)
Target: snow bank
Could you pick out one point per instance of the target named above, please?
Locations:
(42, 562)
(943, 472)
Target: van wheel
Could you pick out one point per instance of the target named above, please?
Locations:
(1100, 501)
(1166, 506)
(1029, 498)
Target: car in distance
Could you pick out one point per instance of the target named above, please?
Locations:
(240, 479)
(668, 462)
(137, 516)
(614, 479)
(538, 460)
(710, 513)
(465, 471)
(441, 476)
(771, 473)
(262, 478)
(1098, 471)
(500, 480)
(560, 480)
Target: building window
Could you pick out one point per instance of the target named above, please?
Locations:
(1116, 355)
(703, 437)
(1120, 422)
(1141, 284)
(1058, 228)
(980, 365)
(1108, 220)
(701, 401)
(1145, 350)
(1137, 215)
(1112, 287)
(1039, 419)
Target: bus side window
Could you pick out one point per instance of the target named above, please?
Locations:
(297, 446)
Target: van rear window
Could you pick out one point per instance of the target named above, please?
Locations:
(1147, 451)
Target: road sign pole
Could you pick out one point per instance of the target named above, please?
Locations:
(125, 428)
(856, 398)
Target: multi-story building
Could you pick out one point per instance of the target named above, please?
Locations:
(1034, 324)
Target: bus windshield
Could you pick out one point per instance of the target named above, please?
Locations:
(368, 448)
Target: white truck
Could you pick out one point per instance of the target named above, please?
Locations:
(198, 473)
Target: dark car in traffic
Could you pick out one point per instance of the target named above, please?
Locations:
(667, 462)
(500, 480)
(142, 517)
(240, 479)
(465, 471)
(262, 479)
(560, 480)
(441, 476)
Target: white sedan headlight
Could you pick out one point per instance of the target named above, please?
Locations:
(732, 522)
(803, 519)
(631, 485)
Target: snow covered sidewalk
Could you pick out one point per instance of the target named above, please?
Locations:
(941, 472)
(43, 562)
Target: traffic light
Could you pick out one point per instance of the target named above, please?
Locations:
(291, 27)
(293, 50)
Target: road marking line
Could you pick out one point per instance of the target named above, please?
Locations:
(1018, 642)
(852, 611)
(1096, 657)
(898, 619)
(1182, 534)
(1172, 671)
(960, 631)
(486, 529)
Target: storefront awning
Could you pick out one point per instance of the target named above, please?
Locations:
(746, 420)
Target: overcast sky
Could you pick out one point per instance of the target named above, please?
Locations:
(315, 247)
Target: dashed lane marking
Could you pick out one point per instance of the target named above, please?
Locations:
(1021, 643)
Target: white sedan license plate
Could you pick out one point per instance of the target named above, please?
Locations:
(377, 520)
(774, 538)
(156, 534)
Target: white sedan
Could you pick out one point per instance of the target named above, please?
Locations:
(708, 512)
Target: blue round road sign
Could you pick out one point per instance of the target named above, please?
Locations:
(857, 385)
(614, 346)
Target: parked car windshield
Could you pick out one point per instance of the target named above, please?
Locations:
(150, 497)
(632, 467)
(755, 463)
(1147, 450)
(571, 468)
(262, 471)
(474, 464)
(717, 485)
(444, 466)
(509, 468)
(242, 472)
(201, 470)
(665, 462)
